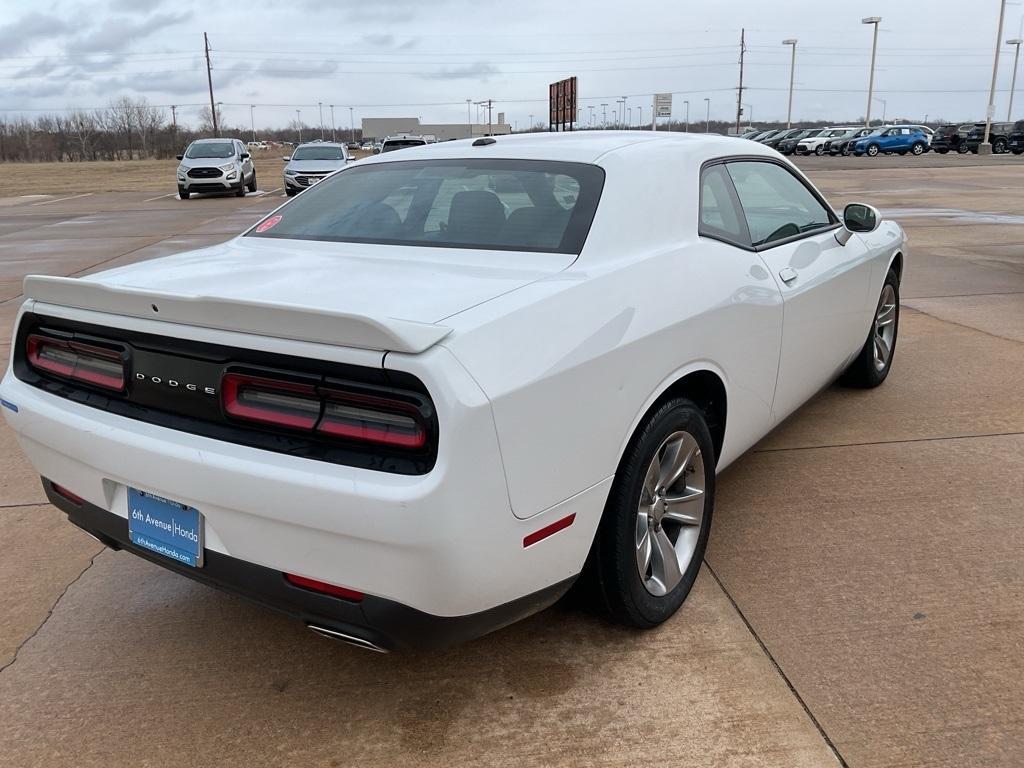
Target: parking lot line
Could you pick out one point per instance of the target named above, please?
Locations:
(62, 199)
(160, 197)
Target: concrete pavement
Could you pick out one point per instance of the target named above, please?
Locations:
(861, 604)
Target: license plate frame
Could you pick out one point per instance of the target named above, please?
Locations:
(168, 528)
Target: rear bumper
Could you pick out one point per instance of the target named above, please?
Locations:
(375, 622)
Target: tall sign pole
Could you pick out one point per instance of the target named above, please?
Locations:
(739, 93)
(876, 20)
(792, 70)
(986, 147)
(209, 81)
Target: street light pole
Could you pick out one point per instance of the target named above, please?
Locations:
(469, 118)
(707, 119)
(531, 123)
(686, 125)
(640, 117)
(591, 108)
(352, 123)
(334, 128)
(1013, 82)
(298, 119)
(252, 122)
(876, 20)
(792, 71)
(320, 104)
(985, 147)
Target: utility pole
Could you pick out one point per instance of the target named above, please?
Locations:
(469, 118)
(209, 81)
(352, 123)
(174, 118)
(490, 130)
(252, 122)
(739, 94)
(298, 120)
(1013, 82)
(707, 118)
(792, 70)
(531, 123)
(876, 20)
(985, 147)
(320, 104)
(686, 125)
(334, 128)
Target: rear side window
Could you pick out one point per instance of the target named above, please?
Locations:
(776, 204)
(720, 216)
(511, 205)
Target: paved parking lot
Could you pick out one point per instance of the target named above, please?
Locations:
(862, 602)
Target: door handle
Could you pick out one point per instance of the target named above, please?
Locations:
(787, 275)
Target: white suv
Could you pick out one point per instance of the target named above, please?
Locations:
(816, 144)
(215, 165)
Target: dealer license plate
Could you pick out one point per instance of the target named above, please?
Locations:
(166, 527)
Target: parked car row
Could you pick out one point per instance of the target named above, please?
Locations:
(898, 139)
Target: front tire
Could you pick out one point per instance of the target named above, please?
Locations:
(183, 193)
(999, 147)
(871, 366)
(240, 192)
(654, 531)
(819, 150)
(872, 150)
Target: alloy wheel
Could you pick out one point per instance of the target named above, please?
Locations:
(885, 327)
(670, 513)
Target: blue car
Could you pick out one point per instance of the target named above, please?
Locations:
(896, 138)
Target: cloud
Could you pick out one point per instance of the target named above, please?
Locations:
(295, 68)
(480, 70)
(41, 68)
(30, 29)
(118, 33)
(134, 6)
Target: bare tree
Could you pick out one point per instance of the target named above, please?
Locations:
(206, 120)
(120, 118)
(148, 120)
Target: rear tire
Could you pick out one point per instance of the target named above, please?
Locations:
(872, 364)
(252, 184)
(645, 558)
(918, 148)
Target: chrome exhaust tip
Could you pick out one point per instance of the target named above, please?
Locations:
(358, 642)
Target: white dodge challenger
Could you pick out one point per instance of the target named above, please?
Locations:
(421, 400)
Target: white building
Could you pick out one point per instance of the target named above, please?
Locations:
(380, 127)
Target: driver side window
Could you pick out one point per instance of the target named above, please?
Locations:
(776, 204)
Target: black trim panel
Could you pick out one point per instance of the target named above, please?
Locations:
(198, 411)
(384, 623)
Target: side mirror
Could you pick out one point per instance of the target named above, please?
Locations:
(858, 217)
(180, 157)
(287, 158)
(246, 155)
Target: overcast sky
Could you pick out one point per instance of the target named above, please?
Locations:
(426, 57)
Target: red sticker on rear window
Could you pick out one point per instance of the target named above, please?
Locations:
(263, 226)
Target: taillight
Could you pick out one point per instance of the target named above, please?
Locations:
(270, 401)
(75, 360)
(373, 419)
(332, 411)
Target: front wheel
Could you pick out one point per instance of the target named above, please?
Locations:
(873, 150)
(183, 193)
(999, 146)
(819, 150)
(962, 149)
(847, 150)
(651, 541)
(871, 366)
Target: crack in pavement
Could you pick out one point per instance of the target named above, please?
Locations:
(50, 611)
(785, 678)
(888, 442)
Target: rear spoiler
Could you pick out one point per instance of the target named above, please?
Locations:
(285, 321)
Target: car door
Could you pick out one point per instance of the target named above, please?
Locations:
(246, 161)
(824, 285)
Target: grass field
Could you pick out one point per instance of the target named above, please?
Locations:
(149, 176)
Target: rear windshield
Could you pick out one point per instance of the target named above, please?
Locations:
(947, 130)
(392, 144)
(210, 149)
(510, 205)
(318, 153)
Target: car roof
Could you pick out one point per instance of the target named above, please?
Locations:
(321, 144)
(213, 141)
(577, 146)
